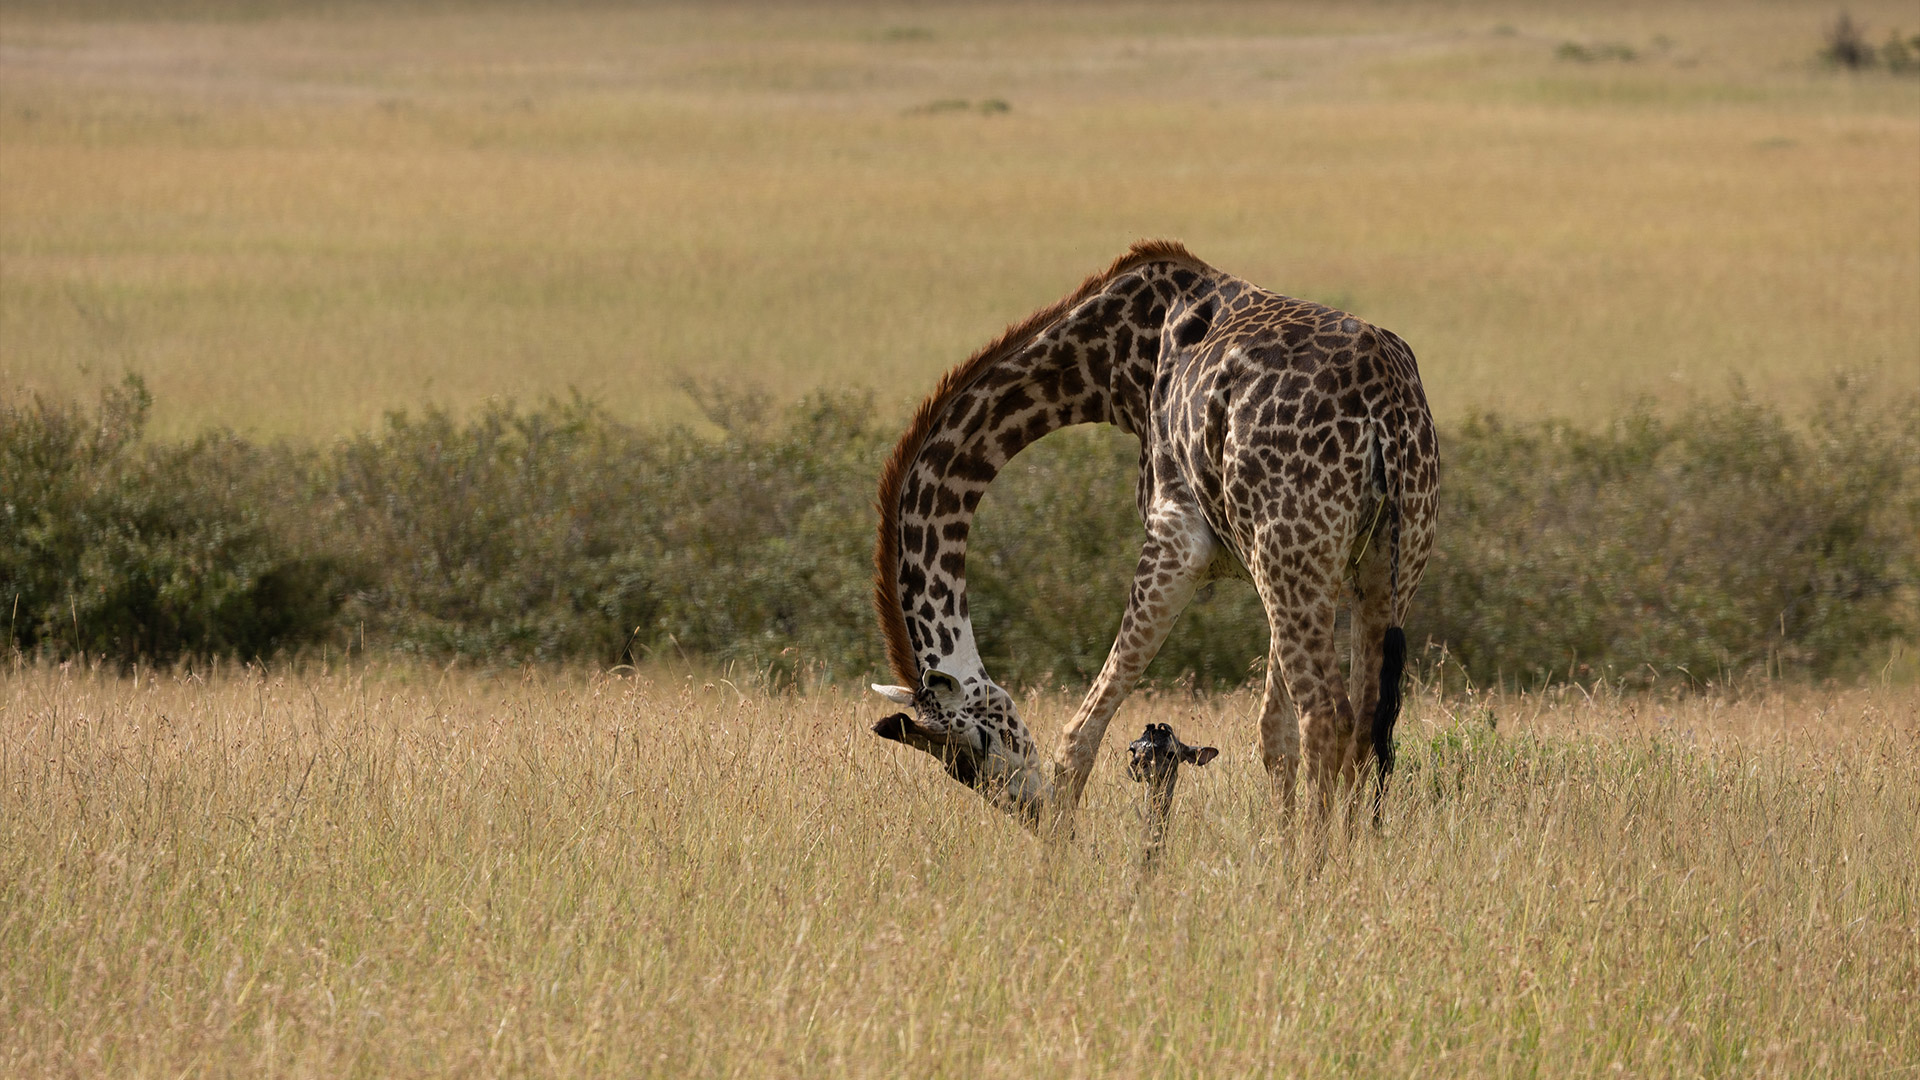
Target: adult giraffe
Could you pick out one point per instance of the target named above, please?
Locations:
(1280, 440)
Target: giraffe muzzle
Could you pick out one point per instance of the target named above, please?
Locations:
(961, 760)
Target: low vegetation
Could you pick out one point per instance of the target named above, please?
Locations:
(1724, 541)
(1848, 47)
(408, 872)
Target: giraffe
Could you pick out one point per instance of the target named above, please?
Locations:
(1154, 759)
(1280, 441)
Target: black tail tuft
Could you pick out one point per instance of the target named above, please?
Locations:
(1393, 661)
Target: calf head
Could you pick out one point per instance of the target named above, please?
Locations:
(1156, 756)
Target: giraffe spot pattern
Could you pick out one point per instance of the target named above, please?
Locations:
(1271, 429)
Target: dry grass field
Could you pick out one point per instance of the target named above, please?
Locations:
(293, 217)
(407, 872)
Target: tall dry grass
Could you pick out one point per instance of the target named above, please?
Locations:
(293, 217)
(404, 871)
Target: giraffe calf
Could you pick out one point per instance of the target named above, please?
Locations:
(1155, 759)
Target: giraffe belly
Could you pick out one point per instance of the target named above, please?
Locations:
(1226, 563)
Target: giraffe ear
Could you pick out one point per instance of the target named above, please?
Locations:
(1202, 755)
(939, 682)
(899, 695)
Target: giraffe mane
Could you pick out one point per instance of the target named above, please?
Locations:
(886, 555)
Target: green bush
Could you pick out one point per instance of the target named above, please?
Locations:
(558, 532)
(1847, 44)
(497, 538)
(1847, 47)
(1726, 539)
(763, 538)
(118, 549)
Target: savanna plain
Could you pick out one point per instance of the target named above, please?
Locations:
(292, 219)
(397, 871)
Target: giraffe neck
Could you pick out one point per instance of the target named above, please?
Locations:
(1087, 360)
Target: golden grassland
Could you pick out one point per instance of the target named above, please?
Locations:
(293, 217)
(401, 871)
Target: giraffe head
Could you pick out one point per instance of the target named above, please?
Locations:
(1155, 757)
(972, 727)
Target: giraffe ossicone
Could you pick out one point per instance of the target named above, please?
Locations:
(1280, 440)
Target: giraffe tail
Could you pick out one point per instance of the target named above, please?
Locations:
(1393, 662)
(1393, 646)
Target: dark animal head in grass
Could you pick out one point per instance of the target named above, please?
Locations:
(974, 730)
(1155, 757)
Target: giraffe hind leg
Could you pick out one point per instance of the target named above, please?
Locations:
(1279, 731)
(1300, 597)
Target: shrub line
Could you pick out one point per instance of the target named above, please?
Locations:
(1724, 541)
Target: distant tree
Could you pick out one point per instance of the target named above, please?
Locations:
(1847, 44)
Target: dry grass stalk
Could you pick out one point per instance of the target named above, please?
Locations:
(414, 872)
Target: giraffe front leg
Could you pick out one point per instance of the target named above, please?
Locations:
(1173, 561)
